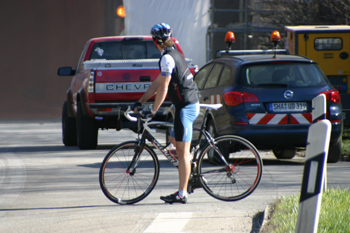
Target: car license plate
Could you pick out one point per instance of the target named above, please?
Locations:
(288, 107)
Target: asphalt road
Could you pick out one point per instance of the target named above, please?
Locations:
(47, 187)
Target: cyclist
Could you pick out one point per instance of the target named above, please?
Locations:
(176, 81)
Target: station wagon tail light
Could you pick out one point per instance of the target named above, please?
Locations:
(104, 109)
(332, 95)
(91, 87)
(234, 98)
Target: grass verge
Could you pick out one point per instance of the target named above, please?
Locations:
(334, 214)
(346, 141)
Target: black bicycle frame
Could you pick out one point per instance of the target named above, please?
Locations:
(142, 142)
(147, 135)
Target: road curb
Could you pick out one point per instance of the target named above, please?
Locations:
(266, 218)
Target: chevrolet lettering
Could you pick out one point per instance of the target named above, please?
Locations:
(122, 87)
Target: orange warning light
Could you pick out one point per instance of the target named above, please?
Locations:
(275, 36)
(230, 37)
(120, 11)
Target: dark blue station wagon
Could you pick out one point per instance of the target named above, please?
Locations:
(267, 100)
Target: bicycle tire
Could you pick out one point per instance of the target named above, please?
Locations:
(237, 181)
(121, 186)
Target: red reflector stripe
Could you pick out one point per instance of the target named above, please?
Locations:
(300, 118)
(336, 121)
(239, 123)
(293, 121)
(266, 119)
(284, 120)
(250, 115)
(279, 119)
(308, 116)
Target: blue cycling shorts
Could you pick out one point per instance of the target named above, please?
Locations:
(183, 122)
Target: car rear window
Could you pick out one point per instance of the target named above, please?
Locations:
(121, 50)
(277, 74)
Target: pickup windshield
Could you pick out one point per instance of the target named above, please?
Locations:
(123, 50)
(288, 74)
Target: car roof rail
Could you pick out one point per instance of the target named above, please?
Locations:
(230, 53)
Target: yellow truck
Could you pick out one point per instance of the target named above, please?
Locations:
(329, 46)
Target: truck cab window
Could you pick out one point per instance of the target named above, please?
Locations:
(329, 43)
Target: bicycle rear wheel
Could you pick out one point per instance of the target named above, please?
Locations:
(240, 178)
(128, 186)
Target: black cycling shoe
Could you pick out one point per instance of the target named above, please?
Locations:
(174, 198)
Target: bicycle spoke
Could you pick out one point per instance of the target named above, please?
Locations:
(237, 180)
(125, 186)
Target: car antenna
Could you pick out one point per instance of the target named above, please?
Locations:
(229, 39)
(275, 39)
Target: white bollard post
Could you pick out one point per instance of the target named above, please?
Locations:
(319, 104)
(313, 177)
(319, 108)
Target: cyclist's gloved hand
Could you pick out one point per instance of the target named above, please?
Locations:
(147, 114)
(135, 106)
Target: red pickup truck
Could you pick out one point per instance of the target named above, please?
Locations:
(110, 71)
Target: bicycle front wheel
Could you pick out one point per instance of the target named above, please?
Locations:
(236, 180)
(126, 178)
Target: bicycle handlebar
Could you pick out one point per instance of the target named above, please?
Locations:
(128, 116)
(131, 118)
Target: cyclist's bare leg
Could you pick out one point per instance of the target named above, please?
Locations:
(182, 150)
(172, 140)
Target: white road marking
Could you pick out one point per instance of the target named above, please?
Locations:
(169, 222)
(13, 177)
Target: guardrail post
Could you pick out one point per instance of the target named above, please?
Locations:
(313, 177)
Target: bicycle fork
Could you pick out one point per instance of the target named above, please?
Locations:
(136, 159)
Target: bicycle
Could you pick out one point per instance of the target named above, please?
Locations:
(130, 170)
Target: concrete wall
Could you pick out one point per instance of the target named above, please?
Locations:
(36, 38)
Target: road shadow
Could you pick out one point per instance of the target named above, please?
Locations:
(286, 162)
(257, 222)
(37, 149)
(58, 208)
(162, 164)
(50, 148)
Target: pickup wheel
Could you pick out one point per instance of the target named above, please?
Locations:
(87, 130)
(69, 129)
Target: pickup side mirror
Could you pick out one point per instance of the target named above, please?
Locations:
(66, 71)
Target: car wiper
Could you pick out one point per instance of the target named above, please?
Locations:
(274, 84)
